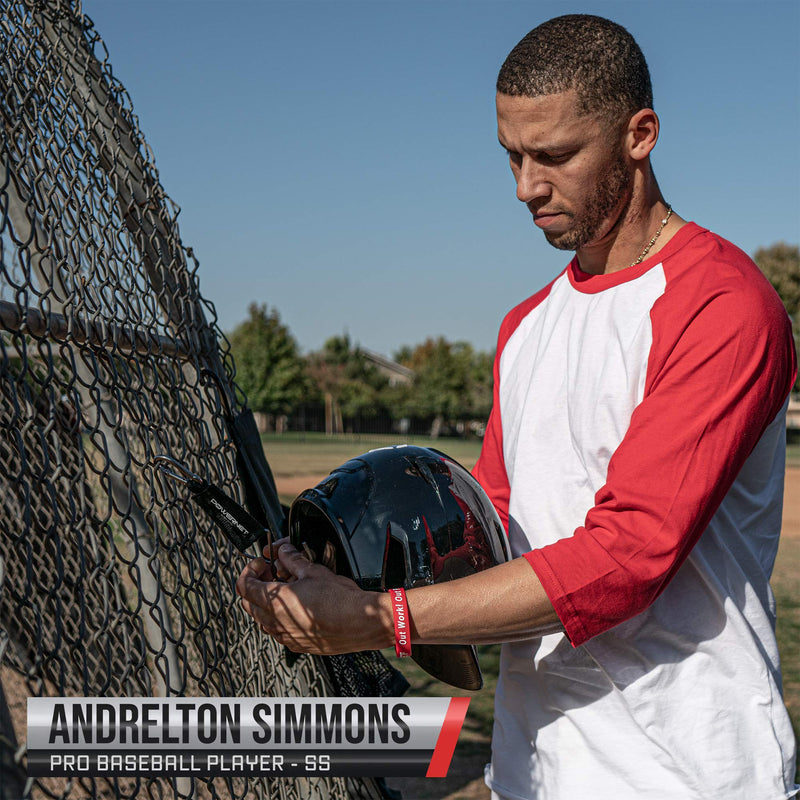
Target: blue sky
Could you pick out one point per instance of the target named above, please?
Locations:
(338, 160)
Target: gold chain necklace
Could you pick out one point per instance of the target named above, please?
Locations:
(653, 240)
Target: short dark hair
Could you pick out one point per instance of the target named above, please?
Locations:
(597, 58)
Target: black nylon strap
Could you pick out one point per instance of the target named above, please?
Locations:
(241, 528)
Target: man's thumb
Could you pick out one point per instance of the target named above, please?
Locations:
(293, 561)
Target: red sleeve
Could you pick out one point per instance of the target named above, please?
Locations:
(490, 469)
(715, 380)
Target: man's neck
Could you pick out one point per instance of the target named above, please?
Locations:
(631, 235)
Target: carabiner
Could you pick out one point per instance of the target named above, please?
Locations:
(181, 472)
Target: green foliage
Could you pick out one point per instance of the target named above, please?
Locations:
(781, 264)
(269, 368)
(343, 371)
(452, 381)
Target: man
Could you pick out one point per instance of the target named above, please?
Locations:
(635, 452)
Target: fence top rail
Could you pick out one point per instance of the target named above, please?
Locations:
(98, 333)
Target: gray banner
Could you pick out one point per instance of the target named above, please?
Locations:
(150, 724)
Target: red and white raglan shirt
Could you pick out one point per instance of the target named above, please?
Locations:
(636, 453)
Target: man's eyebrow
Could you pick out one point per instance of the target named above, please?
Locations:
(549, 149)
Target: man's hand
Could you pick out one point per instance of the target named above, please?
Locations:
(312, 610)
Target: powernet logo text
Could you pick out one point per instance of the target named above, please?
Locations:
(273, 737)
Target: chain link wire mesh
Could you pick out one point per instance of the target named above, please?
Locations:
(112, 584)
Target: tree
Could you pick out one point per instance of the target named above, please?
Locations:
(780, 263)
(452, 382)
(350, 382)
(269, 368)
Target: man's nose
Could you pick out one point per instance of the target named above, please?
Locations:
(532, 182)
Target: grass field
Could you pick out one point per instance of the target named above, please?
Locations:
(299, 454)
(299, 460)
(786, 586)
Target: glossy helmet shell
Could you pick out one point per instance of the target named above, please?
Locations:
(404, 516)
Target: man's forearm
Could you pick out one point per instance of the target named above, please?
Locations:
(504, 603)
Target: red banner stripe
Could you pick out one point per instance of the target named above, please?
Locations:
(448, 736)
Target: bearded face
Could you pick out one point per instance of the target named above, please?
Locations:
(592, 219)
(570, 167)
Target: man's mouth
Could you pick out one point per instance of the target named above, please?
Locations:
(545, 220)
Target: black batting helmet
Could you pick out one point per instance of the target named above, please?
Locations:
(404, 516)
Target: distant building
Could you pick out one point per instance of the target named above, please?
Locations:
(396, 374)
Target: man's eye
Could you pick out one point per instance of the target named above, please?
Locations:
(554, 158)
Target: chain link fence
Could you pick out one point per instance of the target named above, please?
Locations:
(110, 582)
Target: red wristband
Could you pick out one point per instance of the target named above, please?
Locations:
(402, 628)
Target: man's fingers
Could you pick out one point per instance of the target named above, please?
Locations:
(293, 561)
(272, 554)
(258, 568)
(255, 582)
(301, 612)
(258, 598)
(276, 545)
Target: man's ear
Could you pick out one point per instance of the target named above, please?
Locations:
(642, 134)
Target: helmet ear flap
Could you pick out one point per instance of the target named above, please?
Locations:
(318, 540)
(396, 562)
